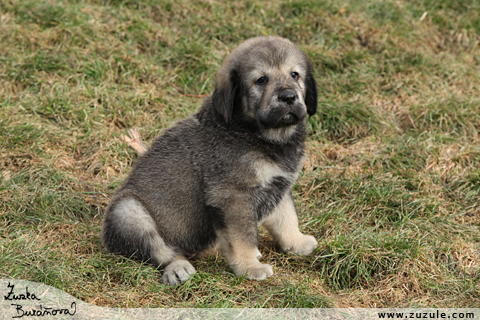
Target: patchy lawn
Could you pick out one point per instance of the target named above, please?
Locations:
(391, 187)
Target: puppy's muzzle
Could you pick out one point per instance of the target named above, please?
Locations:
(288, 110)
(295, 110)
(288, 97)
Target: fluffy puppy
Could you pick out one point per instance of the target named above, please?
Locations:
(214, 177)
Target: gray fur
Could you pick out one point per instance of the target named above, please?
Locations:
(214, 177)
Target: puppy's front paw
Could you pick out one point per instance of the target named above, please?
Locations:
(177, 272)
(259, 272)
(303, 245)
(258, 254)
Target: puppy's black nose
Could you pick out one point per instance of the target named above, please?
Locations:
(288, 96)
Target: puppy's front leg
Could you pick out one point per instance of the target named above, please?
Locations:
(239, 245)
(282, 224)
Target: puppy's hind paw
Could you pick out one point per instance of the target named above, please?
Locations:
(177, 272)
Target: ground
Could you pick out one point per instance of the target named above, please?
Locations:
(391, 186)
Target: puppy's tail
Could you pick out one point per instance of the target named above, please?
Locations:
(134, 140)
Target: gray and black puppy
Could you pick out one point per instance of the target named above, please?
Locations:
(214, 177)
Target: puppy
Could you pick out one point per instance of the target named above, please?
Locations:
(214, 177)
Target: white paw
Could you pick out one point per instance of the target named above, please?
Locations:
(258, 254)
(258, 272)
(177, 272)
(303, 245)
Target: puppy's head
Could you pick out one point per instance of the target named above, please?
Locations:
(267, 82)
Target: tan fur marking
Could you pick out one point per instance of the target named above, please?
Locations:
(266, 171)
(243, 257)
(279, 134)
(282, 224)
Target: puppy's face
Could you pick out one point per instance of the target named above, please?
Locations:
(275, 88)
(268, 82)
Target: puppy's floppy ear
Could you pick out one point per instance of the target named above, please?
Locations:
(311, 96)
(223, 98)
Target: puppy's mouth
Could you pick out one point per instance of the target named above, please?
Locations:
(282, 117)
(289, 119)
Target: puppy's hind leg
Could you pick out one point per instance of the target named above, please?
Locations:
(129, 230)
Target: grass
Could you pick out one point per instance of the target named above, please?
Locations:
(391, 186)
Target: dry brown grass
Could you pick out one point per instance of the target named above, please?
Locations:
(390, 187)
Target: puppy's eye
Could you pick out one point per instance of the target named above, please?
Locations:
(295, 75)
(261, 80)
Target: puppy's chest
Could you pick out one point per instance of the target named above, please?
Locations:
(266, 171)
